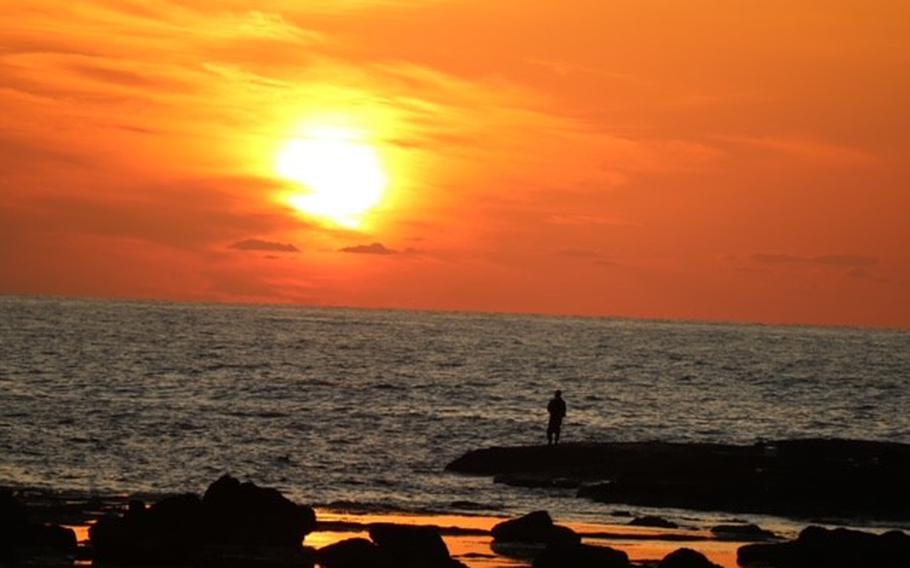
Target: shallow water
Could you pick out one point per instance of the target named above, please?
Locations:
(368, 406)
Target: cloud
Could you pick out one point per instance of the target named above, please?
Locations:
(836, 260)
(374, 248)
(260, 245)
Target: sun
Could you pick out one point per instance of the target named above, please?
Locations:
(341, 174)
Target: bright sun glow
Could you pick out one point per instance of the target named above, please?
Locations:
(342, 174)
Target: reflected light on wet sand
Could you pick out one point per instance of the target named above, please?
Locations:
(475, 551)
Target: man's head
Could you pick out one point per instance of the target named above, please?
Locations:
(557, 394)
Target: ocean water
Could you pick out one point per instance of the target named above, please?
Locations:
(367, 407)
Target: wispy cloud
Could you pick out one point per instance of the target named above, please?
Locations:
(260, 245)
(374, 248)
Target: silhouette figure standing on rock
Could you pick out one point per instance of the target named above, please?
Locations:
(557, 410)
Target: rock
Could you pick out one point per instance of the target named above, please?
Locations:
(563, 535)
(234, 520)
(686, 558)
(410, 545)
(533, 527)
(653, 521)
(838, 548)
(21, 540)
(13, 526)
(352, 553)
(244, 513)
(796, 478)
(581, 556)
(52, 539)
(749, 532)
(171, 530)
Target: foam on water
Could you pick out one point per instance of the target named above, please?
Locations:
(368, 406)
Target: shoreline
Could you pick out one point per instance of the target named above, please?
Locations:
(468, 536)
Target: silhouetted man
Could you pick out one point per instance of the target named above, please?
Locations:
(557, 410)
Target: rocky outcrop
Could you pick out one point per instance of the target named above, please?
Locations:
(246, 514)
(352, 553)
(22, 540)
(412, 546)
(390, 545)
(745, 533)
(535, 527)
(837, 548)
(232, 519)
(796, 478)
(653, 521)
(686, 558)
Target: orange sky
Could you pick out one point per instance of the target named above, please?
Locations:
(663, 159)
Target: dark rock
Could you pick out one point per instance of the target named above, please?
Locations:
(410, 545)
(797, 478)
(168, 531)
(525, 551)
(25, 541)
(563, 535)
(749, 532)
(52, 538)
(581, 556)
(13, 526)
(534, 527)
(837, 548)
(244, 513)
(234, 520)
(686, 558)
(352, 553)
(653, 521)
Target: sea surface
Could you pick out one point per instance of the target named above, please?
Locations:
(363, 409)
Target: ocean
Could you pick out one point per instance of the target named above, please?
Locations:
(362, 409)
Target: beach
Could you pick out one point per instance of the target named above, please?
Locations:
(466, 536)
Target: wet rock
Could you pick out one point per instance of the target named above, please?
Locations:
(837, 548)
(21, 540)
(13, 526)
(563, 535)
(244, 513)
(233, 520)
(581, 556)
(686, 558)
(653, 521)
(410, 545)
(799, 478)
(534, 527)
(52, 539)
(748, 532)
(168, 531)
(352, 553)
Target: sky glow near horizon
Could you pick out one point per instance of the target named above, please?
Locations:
(700, 160)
